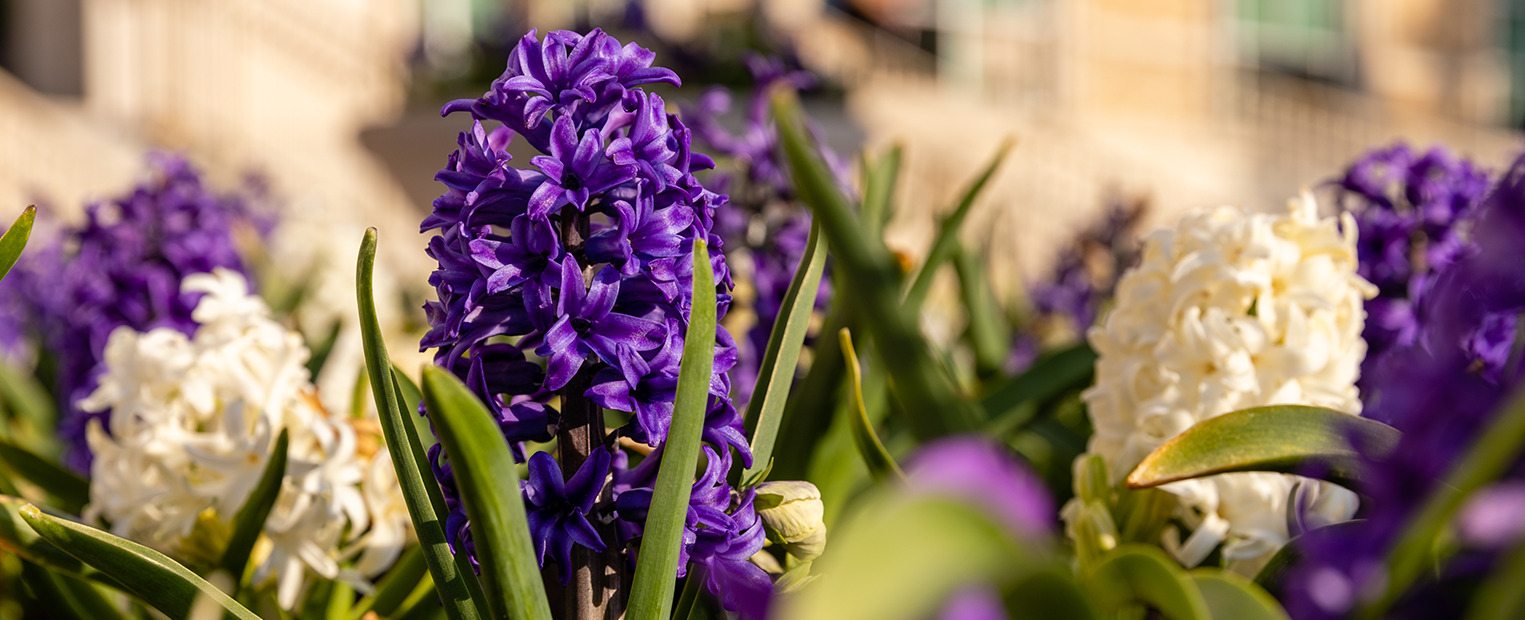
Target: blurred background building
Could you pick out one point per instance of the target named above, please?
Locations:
(1185, 103)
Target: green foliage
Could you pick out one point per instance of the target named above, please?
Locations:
(67, 490)
(776, 373)
(651, 596)
(489, 485)
(1278, 438)
(425, 505)
(879, 462)
(945, 244)
(1143, 575)
(15, 239)
(1231, 597)
(151, 576)
(989, 335)
(1048, 377)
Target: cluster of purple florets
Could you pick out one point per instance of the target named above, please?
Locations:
(1445, 254)
(122, 267)
(572, 277)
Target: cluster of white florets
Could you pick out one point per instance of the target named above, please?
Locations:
(193, 423)
(1229, 311)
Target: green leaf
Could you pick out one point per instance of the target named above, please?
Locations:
(407, 456)
(147, 574)
(946, 242)
(24, 395)
(1501, 597)
(1048, 595)
(879, 192)
(776, 375)
(489, 485)
(70, 491)
(250, 520)
(15, 239)
(989, 334)
(1498, 446)
(321, 350)
(1280, 438)
(66, 595)
(812, 407)
(421, 604)
(902, 559)
(17, 537)
(1231, 597)
(932, 402)
(1132, 574)
(394, 588)
(1048, 377)
(880, 464)
(651, 594)
(410, 397)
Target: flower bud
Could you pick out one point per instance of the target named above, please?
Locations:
(793, 512)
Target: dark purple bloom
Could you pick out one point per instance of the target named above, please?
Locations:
(122, 268)
(586, 260)
(588, 327)
(558, 512)
(574, 170)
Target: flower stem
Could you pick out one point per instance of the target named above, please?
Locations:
(582, 432)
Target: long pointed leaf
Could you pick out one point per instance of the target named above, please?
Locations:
(1292, 439)
(427, 521)
(989, 334)
(934, 405)
(69, 489)
(879, 192)
(1048, 377)
(946, 242)
(776, 375)
(1497, 447)
(1231, 597)
(1132, 574)
(15, 239)
(651, 595)
(880, 464)
(17, 537)
(250, 520)
(812, 407)
(489, 484)
(148, 574)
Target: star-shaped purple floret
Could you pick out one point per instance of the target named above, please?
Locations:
(643, 234)
(575, 170)
(587, 326)
(558, 511)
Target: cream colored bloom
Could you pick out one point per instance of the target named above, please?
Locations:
(1228, 311)
(193, 422)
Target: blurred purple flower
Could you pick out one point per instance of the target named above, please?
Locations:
(122, 267)
(977, 470)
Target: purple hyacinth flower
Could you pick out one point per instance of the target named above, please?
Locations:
(551, 74)
(558, 511)
(587, 326)
(643, 234)
(977, 470)
(650, 144)
(722, 555)
(574, 170)
(530, 251)
(651, 397)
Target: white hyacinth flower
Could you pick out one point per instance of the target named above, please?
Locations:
(1229, 311)
(192, 425)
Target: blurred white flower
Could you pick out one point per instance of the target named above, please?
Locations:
(192, 425)
(1230, 311)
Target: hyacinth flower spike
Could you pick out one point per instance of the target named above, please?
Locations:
(644, 234)
(530, 250)
(575, 170)
(558, 512)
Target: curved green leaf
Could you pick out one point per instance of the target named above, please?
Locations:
(147, 574)
(1498, 446)
(651, 595)
(489, 484)
(946, 242)
(1132, 574)
(902, 559)
(880, 464)
(879, 192)
(15, 239)
(17, 537)
(395, 586)
(69, 489)
(1231, 597)
(424, 507)
(1048, 377)
(776, 375)
(1281, 438)
(250, 520)
(932, 402)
